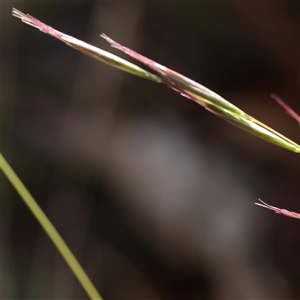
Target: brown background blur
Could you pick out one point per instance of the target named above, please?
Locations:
(153, 194)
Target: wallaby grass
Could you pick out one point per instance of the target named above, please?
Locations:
(185, 86)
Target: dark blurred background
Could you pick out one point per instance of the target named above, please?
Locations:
(153, 194)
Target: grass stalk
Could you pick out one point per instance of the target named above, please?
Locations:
(50, 230)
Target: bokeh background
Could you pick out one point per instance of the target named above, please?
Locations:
(153, 194)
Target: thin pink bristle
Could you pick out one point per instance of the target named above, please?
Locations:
(289, 111)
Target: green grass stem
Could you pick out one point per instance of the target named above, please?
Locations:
(50, 230)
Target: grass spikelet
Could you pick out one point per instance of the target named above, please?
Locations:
(210, 100)
(277, 210)
(92, 51)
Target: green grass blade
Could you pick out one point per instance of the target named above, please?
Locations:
(49, 229)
